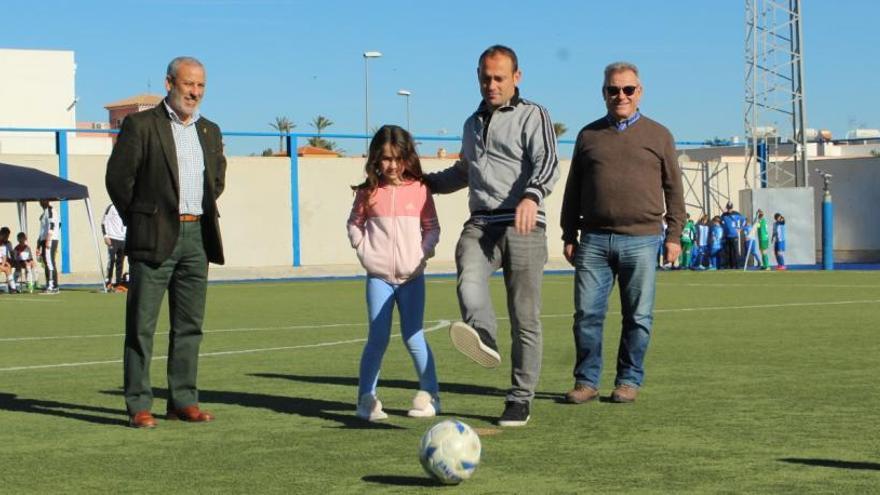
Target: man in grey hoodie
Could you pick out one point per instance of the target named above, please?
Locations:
(508, 163)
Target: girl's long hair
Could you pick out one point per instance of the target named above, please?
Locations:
(400, 140)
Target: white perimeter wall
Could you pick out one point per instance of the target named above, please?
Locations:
(796, 205)
(256, 209)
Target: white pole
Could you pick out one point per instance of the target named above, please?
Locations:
(406, 94)
(367, 56)
(366, 109)
(22, 216)
(97, 246)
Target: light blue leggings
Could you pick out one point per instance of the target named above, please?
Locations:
(410, 300)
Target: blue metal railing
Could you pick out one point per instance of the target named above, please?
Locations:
(292, 142)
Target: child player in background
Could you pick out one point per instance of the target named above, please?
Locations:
(687, 243)
(763, 239)
(716, 240)
(6, 261)
(24, 260)
(751, 235)
(393, 226)
(779, 240)
(701, 248)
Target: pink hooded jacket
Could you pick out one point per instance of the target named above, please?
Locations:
(394, 230)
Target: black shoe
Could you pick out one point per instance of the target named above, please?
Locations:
(515, 414)
(487, 339)
(476, 344)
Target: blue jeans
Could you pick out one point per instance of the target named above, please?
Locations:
(600, 258)
(410, 300)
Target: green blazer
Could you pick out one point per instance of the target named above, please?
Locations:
(142, 180)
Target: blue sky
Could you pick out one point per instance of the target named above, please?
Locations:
(268, 58)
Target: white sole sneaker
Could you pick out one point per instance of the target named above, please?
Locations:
(514, 415)
(370, 408)
(424, 406)
(512, 423)
(468, 342)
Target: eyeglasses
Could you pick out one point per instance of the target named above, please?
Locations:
(615, 90)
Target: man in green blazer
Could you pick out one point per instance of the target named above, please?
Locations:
(164, 176)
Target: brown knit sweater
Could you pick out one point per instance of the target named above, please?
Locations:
(623, 181)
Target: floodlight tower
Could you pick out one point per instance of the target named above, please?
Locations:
(775, 109)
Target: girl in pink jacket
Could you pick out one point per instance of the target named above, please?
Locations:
(393, 226)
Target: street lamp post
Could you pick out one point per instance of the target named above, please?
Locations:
(406, 94)
(367, 56)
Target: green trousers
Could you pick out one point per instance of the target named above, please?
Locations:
(684, 260)
(184, 276)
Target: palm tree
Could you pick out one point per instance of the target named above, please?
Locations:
(559, 128)
(320, 123)
(284, 125)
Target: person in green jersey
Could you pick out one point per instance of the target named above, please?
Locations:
(687, 241)
(763, 240)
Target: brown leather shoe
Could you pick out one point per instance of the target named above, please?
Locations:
(581, 393)
(624, 394)
(142, 419)
(190, 413)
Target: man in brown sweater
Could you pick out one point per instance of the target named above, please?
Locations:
(624, 180)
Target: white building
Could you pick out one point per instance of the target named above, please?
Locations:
(38, 90)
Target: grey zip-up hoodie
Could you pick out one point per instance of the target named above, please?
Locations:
(506, 155)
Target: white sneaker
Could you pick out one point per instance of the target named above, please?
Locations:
(424, 405)
(475, 344)
(370, 408)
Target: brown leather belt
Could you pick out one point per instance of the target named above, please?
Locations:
(189, 218)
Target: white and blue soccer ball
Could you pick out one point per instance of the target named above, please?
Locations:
(450, 451)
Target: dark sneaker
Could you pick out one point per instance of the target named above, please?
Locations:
(624, 394)
(476, 344)
(515, 414)
(581, 393)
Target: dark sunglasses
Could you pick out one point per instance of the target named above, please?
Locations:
(614, 90)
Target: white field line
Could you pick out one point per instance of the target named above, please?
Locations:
(23, 298)
(759, 306)
(440, 324)
(757, 286)
(219, 330)
(340, 325)
(776, 286)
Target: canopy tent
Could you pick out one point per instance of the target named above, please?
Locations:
(22, 184)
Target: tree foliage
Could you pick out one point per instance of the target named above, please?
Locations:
(285, 125)
(559, 128)
(319, 123)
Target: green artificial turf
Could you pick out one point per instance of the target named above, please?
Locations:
(756, 383)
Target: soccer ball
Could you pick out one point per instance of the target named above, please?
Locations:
(450, 451)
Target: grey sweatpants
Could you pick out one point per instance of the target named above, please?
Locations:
(483, 249)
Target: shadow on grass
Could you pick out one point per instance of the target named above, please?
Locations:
(404, 384)
(14, 403)
(445, 387)
(340, 412)
(835, 463)
(388, 479)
